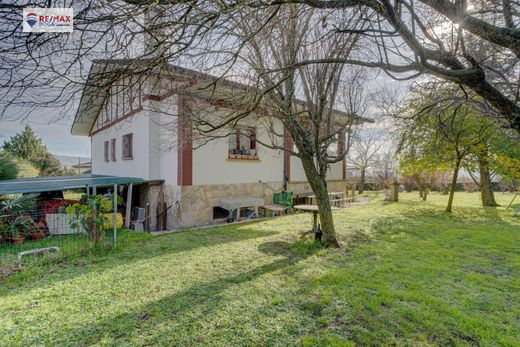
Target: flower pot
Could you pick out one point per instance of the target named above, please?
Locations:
(37, 236)
(14, 239)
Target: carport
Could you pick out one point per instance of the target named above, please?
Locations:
(88, 182)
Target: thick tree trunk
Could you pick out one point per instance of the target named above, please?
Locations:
(453, 185)
(362, 181)
(486, 190)
(319, 188)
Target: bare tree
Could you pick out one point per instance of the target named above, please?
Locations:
(303, 97)
(364, 153)
(474, 44)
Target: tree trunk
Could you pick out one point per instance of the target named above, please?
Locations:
(453, 185)
(486, 191)
(425, 194)
(319, 188)
(362, 181)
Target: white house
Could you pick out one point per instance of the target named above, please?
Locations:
(143, 127)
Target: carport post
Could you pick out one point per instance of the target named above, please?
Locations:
(128, 205)
(115, 214)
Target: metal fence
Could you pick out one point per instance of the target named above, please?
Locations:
(45, 232)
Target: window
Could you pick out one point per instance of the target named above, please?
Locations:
(107, 144)
(242, 144)
(128, 146)
(113, 149)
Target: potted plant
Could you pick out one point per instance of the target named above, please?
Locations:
(37, 231)
(12, 233)
(15, 224)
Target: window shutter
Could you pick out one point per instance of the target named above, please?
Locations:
(113, 149)
(125, 147)
(130, 145)
(106, 150)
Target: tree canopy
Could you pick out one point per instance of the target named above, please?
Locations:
(27, 146)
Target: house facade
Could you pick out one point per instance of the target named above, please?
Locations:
(144, 128)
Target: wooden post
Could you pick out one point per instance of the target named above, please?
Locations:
(395, 191)
(128, 205)
(314, 220)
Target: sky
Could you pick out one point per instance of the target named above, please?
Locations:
(56, 136)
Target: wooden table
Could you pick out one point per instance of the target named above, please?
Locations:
(275, 209)
(232, 204)
(314, 210)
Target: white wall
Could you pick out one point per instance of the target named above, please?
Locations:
(212, 166)
(154, 143)
(163, 140)
(155, 150)
(297, 174)
(139, 165)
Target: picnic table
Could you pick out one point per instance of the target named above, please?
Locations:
(314, 210)
(232, 204)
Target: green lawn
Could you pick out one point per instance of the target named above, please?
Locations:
(409, 274)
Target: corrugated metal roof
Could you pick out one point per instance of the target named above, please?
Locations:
(54, 183)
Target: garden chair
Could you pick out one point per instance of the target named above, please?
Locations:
(137, 219)
(284, 199)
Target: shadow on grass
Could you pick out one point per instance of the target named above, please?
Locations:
(178, 242)
(196, 302)
(467, 214)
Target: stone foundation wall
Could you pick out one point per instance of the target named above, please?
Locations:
(150, 194)
(193, 205)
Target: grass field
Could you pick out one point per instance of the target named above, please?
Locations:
(408, 274)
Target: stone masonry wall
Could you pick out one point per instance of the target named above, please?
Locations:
(195, 203)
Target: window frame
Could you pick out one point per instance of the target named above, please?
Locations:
(238, 132)
(129, 137)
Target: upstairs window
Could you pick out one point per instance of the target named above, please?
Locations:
(107, 146)
(113, 149)
(242, 144)
(128, 146)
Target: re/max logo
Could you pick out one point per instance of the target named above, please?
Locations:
(59, 19)
(48, 19)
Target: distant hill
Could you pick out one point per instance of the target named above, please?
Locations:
(69, 160)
